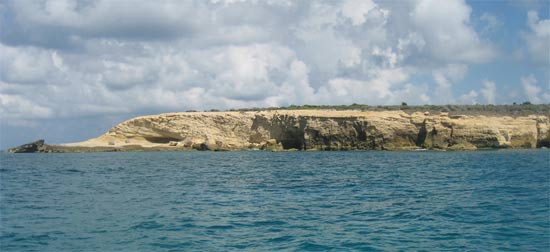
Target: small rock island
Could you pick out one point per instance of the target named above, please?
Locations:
(317, 129)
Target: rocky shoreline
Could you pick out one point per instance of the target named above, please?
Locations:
(288, 130)
(40, 146)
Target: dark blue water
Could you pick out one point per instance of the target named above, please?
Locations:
(263, 201)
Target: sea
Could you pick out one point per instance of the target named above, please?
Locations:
(276, 201)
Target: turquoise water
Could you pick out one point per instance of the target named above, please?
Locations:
(263, 201)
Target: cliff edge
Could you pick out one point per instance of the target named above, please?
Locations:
(322, 130)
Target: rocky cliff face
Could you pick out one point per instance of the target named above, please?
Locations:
(325, 130)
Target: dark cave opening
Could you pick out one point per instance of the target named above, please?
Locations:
(161, 140)
(421, 137)
(293, 139)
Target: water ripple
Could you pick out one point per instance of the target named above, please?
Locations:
(261, 201)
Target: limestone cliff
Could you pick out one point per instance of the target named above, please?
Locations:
(325, 130)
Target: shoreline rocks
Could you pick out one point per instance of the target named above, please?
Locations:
(28, 147)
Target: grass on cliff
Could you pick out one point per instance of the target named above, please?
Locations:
(487, 110)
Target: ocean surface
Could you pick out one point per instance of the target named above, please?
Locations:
(273, 201)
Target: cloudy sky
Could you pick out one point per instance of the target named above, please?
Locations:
(69, 70)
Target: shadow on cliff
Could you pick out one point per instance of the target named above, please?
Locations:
(317, 133)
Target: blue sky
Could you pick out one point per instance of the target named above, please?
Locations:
(69, 70)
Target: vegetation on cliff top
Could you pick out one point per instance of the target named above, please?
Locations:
(523, 109)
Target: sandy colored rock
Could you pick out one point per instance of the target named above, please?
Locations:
(326, 130)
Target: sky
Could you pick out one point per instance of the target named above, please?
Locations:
(70, 70)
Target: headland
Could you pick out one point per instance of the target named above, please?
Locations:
(318, 129)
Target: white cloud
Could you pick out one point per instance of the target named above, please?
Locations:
(78, 58)
(296, 88)
(539, 27)
(386, 57)
(534, 93)
(447, 32)
(121, 75)
(411, 94)
(19, 107)
(538, 39)
(317, 33)
(382, 86)
(233, 76)
(357, 10)
(489, 91)
(352, 58)
(413, 43)
(469, 98)
(27, 65)
(444, 78)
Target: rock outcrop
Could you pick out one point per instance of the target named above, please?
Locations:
(324, 130)
(35, 146)
(41, 146)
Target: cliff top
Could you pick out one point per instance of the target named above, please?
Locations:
(513, 110)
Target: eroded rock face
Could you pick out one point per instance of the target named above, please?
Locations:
(327, 130)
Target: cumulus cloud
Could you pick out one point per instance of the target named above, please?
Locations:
(534, 92)
(68, 58)
(28, 65)
(356, 10)
(18, 107)
(67, 23)
(489, 91)
(445, 26)
(538, 39)
(444, 78)
(378, 88)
